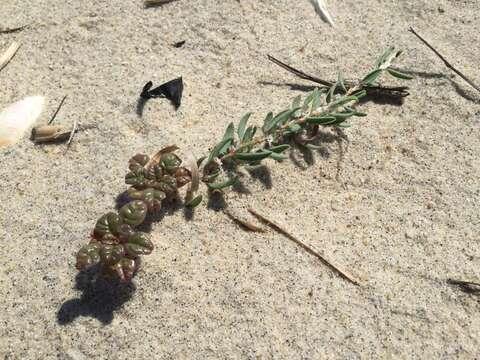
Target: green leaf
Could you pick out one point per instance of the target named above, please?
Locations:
(253, 156)
(399, 74)
(279, 119)
(343, 100)
(136, 177)
(294, 128)
(340, 117)
(138, 162)
(152, 197)
(355, 112)
(308, 99)
(331, 93)
(134, 212)
(194, 202)
(267, 120)
(107, 225)
(110, 254)
(360, 94)
(371, 77)
(229, 133)
(316, 101)
(170, 162)
(279, 148)
(139, 244)
(222, 185)
(321, 120)
(216, 150)
(277, 157)
(384, 56)
(242, 125)
(124, 269)
(296, 102)
(88, 256)
(250, 133)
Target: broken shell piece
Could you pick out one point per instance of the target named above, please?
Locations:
(18, 117)
(50, 133)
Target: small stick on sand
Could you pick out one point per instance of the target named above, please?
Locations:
(12, 30)
(56, 111)
(248, 225)
(149, 3)
(470, 82)
(72, 134)
(306, 247)
(9, 54)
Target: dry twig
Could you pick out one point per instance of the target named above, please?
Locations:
(9, 54)
(308, 248)
(12, 30)
(447, 64)
(395, 91)
(149, 3)
(246, 224)
(58, 109)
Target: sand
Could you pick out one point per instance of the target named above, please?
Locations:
(396, 203)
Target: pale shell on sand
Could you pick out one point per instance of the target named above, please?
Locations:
(17, 118)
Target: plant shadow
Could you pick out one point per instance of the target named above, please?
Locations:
(292, 86)
(463, 93)
(377, 97)
(262, 174)
(100, 298)
(216, 200)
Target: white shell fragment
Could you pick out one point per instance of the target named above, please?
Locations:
(321, 9)
(18, 117)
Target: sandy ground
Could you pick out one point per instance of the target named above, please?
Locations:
(396, 205)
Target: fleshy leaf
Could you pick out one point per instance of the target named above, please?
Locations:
(136, 178)
(110, 254)
(139, 244)
(371, 77)
(253, 156)
(222, 185)
(88, 256)
(107, 225)
(150, 196)
(138, 162)
(399, 74)
(194, 202)
(170, 162)
(134, 212)
(242, 125)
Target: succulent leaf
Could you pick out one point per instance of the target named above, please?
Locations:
(124, 269)
(139, 244)
(136, 178)
(134, 212)
(167, 184)
(170, 162)
(107, 226)
(111, 254)
(150, 196)
(88, 256)
(138, 162)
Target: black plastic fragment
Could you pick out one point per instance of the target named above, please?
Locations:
(179, 44)
(171, 90)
